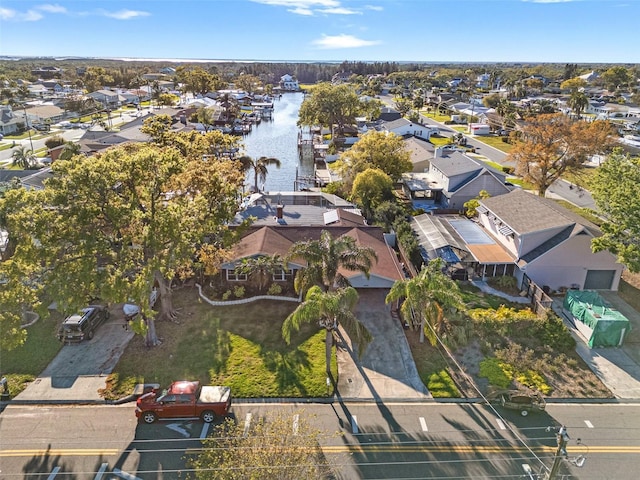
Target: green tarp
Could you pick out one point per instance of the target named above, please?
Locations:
(608, 326)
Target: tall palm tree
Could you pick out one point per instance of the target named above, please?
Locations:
(329, 309)
(261, 267)
(259, 167)
(578, 102)
(425, 297)
(23, 157)
(325, 257)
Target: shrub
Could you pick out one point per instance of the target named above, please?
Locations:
(534, 380)
(239, 291)
(226, 295)
(497, 372)
(275, 289)
(441, 385)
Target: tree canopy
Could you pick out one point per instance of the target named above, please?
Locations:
(370, 188)
(330, 105)
(551, 145)
(616, 191)
(268, 447)
(116, 224)
(381, 150)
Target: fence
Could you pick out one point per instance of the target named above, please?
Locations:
(540, 301)
(240, 301)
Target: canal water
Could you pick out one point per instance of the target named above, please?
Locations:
(278, 138)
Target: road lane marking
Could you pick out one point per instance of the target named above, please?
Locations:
(100, 472)
(247, 424)
(205, 430)
(588, 423)
(125, 475)
(177, 427)
(354, 424)
(423, 424)
(53, 473)
(296, 423)
(501, 424)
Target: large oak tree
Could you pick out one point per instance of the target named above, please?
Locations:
(616, 190)
(331, 105)
(551, 145)
(116, 224)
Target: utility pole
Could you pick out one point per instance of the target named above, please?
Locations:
(562, 438)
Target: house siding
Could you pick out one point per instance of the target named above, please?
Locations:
(569, 262)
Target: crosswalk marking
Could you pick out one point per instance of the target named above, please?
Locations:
(423, 424)
(501, 424)
(205, 430)
(125, 475)
(100, 472)
(354, 424)
(53, 473)
(588, 423)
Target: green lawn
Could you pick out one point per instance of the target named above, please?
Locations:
(25, 363)
(239, 346)
(495, 142)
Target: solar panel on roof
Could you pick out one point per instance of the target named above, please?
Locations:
(471, 233)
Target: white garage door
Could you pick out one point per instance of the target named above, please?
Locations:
(599, 279)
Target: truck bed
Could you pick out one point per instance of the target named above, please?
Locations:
(214, 394)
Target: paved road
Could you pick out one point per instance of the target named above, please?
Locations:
(373, 441)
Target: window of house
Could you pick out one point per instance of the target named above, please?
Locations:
(282, 275)
(235, 276)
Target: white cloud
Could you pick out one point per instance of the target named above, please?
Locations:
(52, 8)
(32, 16)
(7, 13)
(126, 14)
(310, 7)
(339, 11)
(342, 41)
(374, 7)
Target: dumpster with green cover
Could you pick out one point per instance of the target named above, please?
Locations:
(601, 324)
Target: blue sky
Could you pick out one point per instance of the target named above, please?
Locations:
(574, 31)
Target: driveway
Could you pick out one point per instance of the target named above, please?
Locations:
(386, 370)
(78, 371)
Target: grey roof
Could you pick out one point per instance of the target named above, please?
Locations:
(421, 150)
(454, 163)
(8, 175)
(549, 244)
(525, 212)
(36, 180)
(393, 124)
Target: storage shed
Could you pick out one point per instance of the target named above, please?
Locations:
(601, 324)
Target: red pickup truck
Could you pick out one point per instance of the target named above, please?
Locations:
(184, 399)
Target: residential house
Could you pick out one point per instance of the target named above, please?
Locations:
(9, 121)
(452, 180)
(548, 243)
(403, 127)
(108, 98)
(276, 240)
(47, 72)
(421, 152)
(289, 83)
(168, 70)
(341, 77)
(38, 90)
(45, 114)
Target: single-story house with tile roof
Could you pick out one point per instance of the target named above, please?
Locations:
(277, 240)
(549, 244)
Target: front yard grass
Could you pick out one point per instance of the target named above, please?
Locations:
(238, 346)
(23, 364)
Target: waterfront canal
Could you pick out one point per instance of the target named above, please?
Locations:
(278, 138)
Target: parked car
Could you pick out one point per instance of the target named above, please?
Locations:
(184, 399)
(520, 401)
(83, 325)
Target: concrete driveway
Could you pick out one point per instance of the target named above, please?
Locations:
(386, 370)
(79, 371)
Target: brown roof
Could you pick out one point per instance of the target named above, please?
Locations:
(494, 253)
(265, 241)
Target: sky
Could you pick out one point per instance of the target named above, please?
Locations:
(557, 31)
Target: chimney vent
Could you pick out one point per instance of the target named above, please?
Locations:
(279, 209)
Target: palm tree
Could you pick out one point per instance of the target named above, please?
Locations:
(425, 298)
(23, 157)
(329, 309)
(261, 267)
(259, 167)
(70, 150)
(205, 117)
(325, 257)
(578, 101)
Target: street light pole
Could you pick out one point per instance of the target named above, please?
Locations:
(26, 121)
